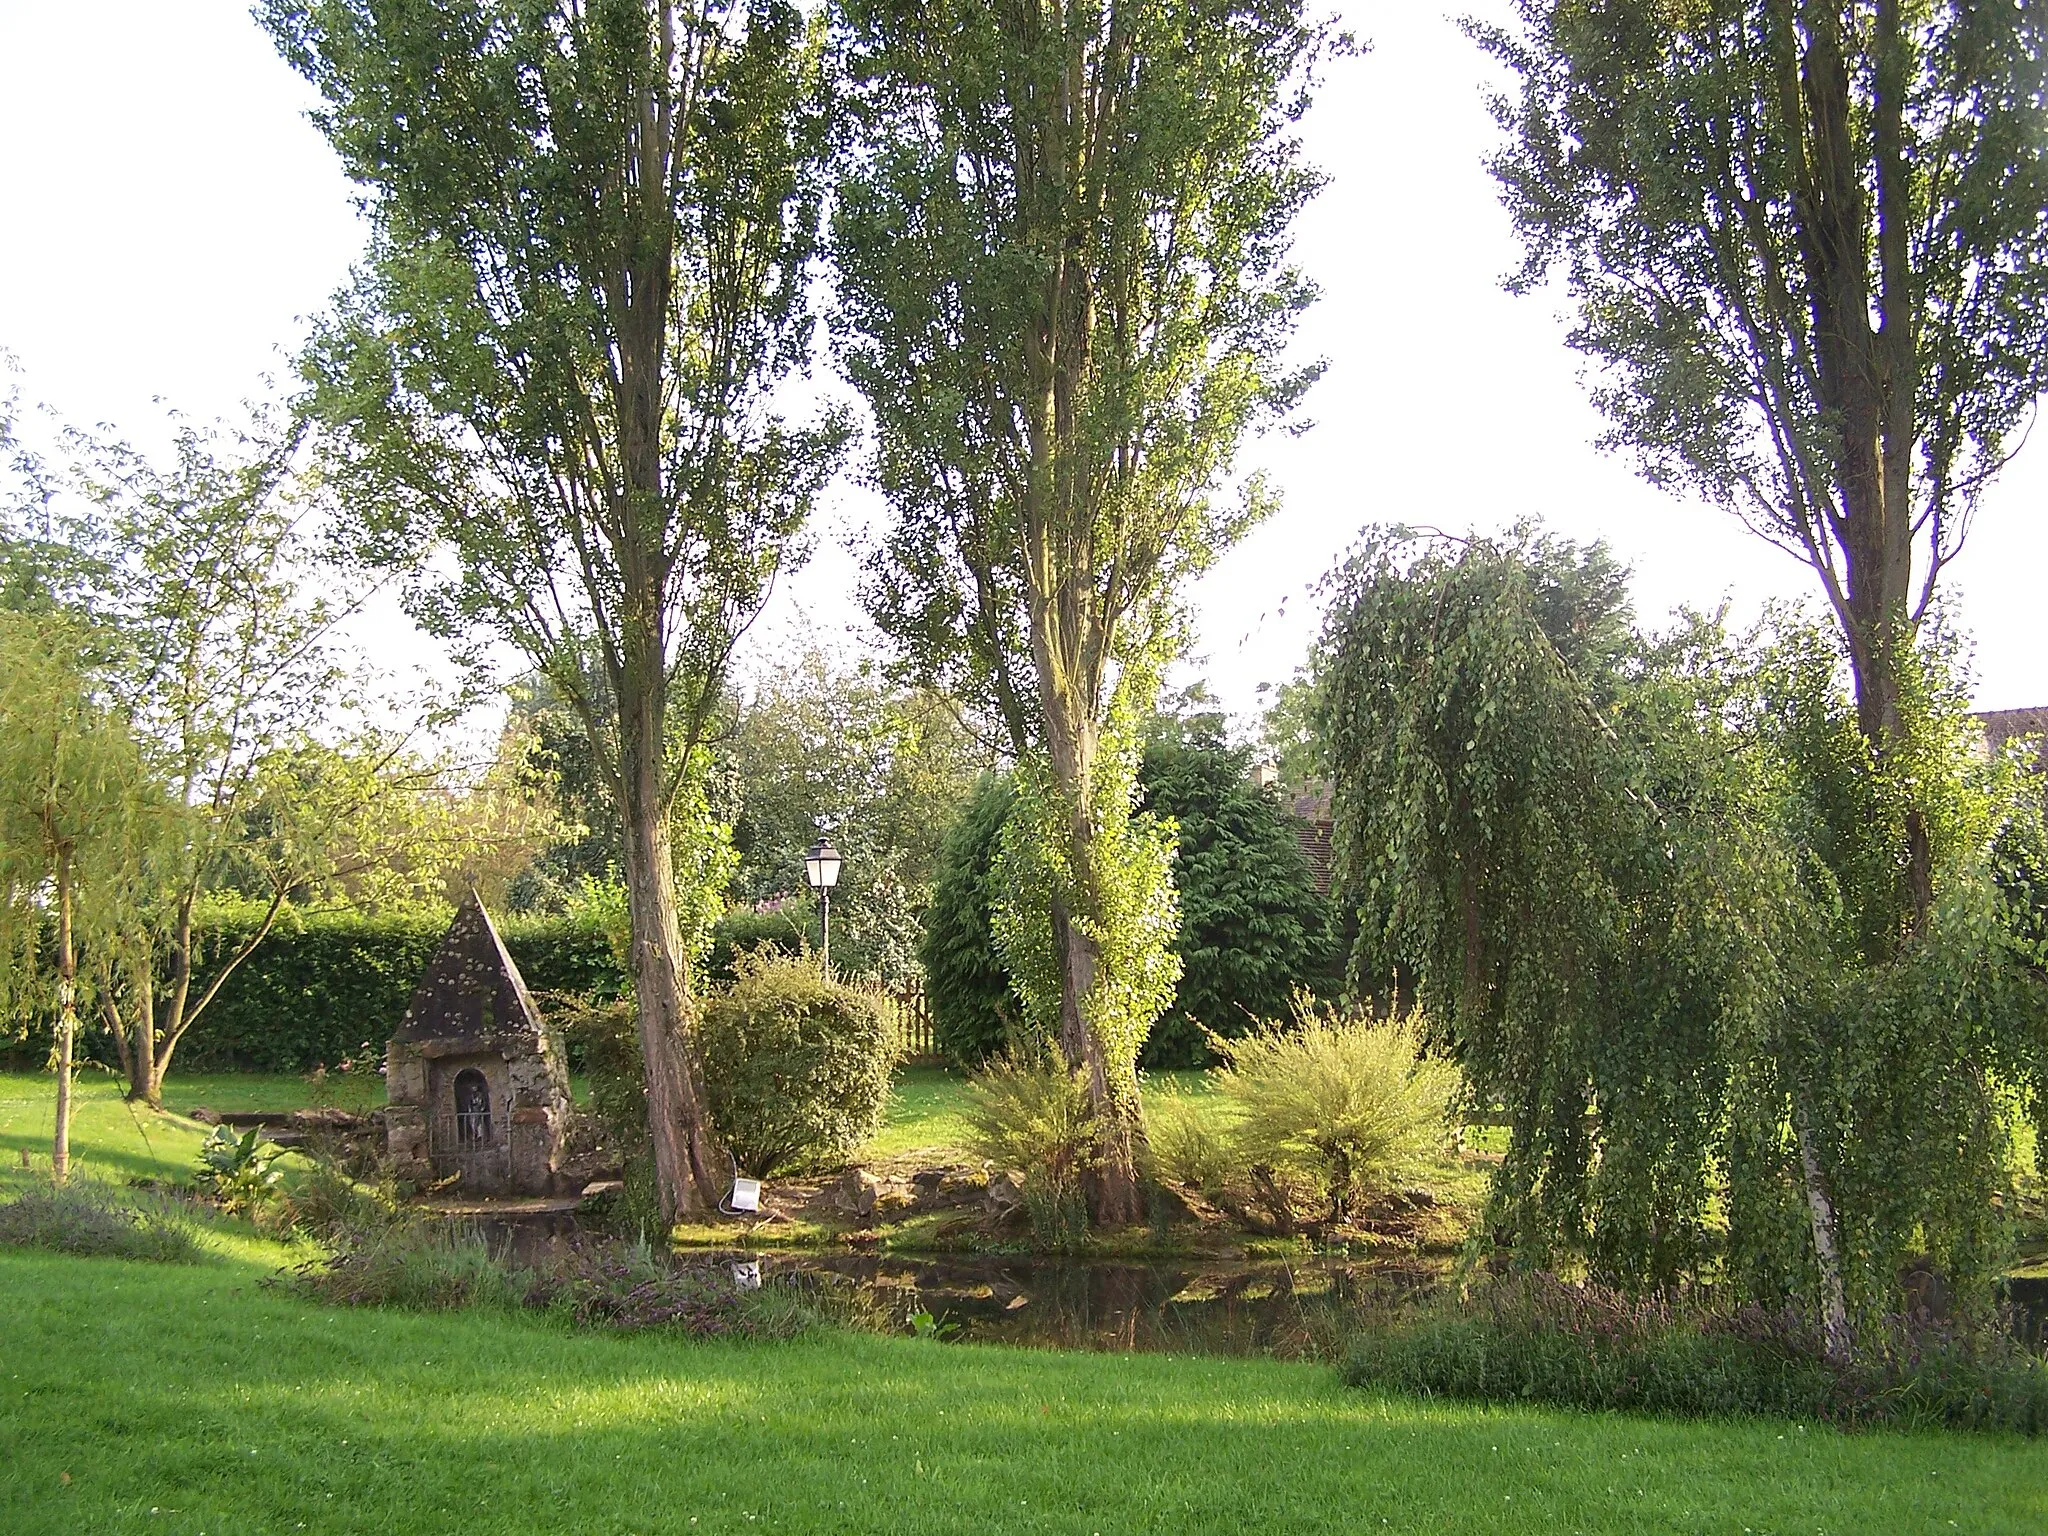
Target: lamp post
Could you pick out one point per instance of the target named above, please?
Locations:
(821, 869)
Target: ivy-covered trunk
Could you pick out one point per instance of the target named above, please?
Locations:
(1111, 1074)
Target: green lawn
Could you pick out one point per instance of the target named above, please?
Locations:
(181, 1400)
(126, 1142)
(109, 1136)
(925, 1110)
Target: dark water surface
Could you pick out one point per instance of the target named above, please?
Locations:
(1304, 1306)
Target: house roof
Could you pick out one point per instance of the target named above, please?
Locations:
(1319, 847)
(2002, 726)
(471, 990)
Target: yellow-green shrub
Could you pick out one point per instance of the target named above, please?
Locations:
(1341, 1105)
(1027, 1111)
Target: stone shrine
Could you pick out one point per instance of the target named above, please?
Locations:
(477, 1087)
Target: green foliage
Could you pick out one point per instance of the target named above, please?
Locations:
(1536, 1340)
(474, 384)
(975, 1011)
(1342, 1107)
(422, 1265)
(790, 932)
(1027, 1111)
(325, 1196)
(86, 1217)
(562, 366)
(1055, 474)
(1178, 222)
(185, 584)
(796, 1066)
(325, 985)
(1808, 253)
(1115, 891)
(239, 1173)
(817, 744)
(603, 1037)
(1253, 928)
(1189, 1143)
(1659, 880)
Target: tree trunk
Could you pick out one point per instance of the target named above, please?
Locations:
(145, 1080)
(67, 1021)
(690, 1166)
(1827, 1247)
(154, 1061)
(1867, 375)
(1112, 1183)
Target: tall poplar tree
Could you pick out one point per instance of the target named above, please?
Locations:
(1062, 243)
(593, 223)
(1808, 242)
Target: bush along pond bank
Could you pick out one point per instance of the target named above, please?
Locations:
(1537, 1339)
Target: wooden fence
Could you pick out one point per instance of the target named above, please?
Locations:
(910, 1015)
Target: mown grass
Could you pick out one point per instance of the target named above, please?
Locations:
(927, 1109)
(178, 1400)
(109, 1136)
(129, 1142)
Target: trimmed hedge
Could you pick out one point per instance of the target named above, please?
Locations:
(789, 932)
(315, 991)
(323, 984)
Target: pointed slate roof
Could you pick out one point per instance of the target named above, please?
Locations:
(472, 990)
(2002, 725)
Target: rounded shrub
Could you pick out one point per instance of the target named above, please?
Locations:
(796, 1066)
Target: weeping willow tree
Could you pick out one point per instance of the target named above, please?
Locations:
(1062, 244)
(77, 808)
(1647, 888)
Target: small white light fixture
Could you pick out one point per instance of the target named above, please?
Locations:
(821, 869)
(747, 1276)
(821, 865)
(746, 1194)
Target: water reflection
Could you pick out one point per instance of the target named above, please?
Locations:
(1301, 1308)
(1298, 1308)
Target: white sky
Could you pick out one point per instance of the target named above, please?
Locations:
(169, 220)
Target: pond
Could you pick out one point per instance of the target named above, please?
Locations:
(1301, 1307)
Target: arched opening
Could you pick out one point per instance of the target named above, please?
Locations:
(472, 1108)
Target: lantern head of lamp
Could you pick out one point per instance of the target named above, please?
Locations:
(821, 865)
(821, 869)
